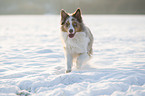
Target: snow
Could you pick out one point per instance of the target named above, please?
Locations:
(32, 58)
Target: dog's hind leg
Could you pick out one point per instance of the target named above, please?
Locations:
(82, 58)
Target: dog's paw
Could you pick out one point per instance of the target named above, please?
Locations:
(67, 71)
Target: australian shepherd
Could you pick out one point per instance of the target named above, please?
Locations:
(77, 39)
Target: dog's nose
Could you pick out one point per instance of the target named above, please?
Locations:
(70, 30)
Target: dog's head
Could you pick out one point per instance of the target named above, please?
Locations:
(71, 23)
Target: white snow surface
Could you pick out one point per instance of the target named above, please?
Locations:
(32, 59)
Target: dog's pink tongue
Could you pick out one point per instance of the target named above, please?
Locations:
(71, 35)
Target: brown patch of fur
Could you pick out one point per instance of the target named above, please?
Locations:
(78, 27)
(63, 29)
(67, 24)
(73, 19)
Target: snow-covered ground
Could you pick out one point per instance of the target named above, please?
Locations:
(32, 59)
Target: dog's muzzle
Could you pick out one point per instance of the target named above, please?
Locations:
(71, 33)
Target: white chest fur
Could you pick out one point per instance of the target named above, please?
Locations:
(77, 44)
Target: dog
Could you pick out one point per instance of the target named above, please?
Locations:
(77, 39)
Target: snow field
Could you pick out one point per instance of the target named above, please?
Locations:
(32, 59)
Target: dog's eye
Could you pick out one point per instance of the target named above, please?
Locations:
(67, 24)
(75, 24)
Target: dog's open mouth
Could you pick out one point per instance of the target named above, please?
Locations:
(71, 35)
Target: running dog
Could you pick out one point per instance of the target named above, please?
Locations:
(77, 39)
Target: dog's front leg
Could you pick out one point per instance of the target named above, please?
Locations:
(69, 59)
(82, 58)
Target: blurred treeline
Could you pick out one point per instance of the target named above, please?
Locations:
(88, 6)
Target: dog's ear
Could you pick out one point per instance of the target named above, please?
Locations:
(64, 15)
(77, 15)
